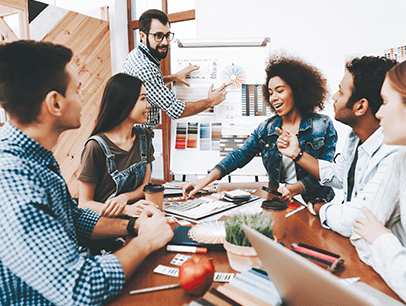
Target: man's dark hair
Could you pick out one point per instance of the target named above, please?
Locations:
(307, 83)
(147, 16)
(368, 75)
(29, 70)
(119, 98)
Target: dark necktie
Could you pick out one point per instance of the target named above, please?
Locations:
(351, 173)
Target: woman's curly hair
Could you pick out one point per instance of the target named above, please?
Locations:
(307, 83)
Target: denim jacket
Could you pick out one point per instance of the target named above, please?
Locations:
(317, 136)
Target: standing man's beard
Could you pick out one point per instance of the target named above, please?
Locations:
(156, 53)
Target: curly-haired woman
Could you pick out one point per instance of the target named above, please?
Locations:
(295, 91)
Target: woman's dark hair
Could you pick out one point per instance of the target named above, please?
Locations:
(119, 97)
(307, 83)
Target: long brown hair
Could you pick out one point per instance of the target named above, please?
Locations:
(397, 79)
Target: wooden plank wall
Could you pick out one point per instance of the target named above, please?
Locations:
(89, 39)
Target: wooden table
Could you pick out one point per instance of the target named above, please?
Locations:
(300, 227)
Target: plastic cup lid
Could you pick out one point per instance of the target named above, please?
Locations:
(153, 188)
(274, 204)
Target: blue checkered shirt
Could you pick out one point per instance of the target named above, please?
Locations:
(41, 226)
(142, 64)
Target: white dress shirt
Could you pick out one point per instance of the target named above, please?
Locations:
(387, 254)
(374, 159)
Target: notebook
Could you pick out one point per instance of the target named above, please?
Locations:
(301, 282)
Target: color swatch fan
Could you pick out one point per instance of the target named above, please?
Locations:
(234, 75)
(208, 232)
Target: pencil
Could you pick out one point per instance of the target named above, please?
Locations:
(154, 289)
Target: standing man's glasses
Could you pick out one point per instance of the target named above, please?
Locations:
(160, 36)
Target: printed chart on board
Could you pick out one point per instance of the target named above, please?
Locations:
(199, 142)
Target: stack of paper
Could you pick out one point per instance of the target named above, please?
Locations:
(252, 287)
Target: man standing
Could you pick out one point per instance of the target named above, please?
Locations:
(360, 168)
(41, 224)
(144, 63)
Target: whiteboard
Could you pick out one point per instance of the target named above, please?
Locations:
(197, 142)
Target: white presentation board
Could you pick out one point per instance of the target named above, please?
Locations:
(199, 142)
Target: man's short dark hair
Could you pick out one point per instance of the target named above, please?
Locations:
(368, 75)
(147, 16)
(29, 70)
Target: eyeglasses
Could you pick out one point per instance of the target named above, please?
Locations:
(160, 36)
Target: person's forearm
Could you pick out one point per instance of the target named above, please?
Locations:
(132, 254)
(309, 164)
(93, 205)
(109, 227)
(168, 79)
(193, 108)
(295, 189)
(211, 177)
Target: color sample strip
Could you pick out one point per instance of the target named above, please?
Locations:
(180, 142)
(204, 136)
(253, 103)
(229, 143)
(215, 136)
(192, 134)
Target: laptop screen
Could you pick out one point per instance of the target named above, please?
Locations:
(301, 282)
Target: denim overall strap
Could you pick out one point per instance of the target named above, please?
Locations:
(143, 143)
(111, 165)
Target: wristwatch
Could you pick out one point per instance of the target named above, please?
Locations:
(130, 226)
(298, 156)
(311, 203)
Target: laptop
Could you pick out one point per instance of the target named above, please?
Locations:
(301, 282)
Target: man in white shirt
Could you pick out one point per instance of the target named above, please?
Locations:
(361, 167)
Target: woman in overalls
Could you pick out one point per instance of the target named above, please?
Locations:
(116, 160)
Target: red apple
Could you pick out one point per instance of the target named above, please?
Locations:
(196, 275)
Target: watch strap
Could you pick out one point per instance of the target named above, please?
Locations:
(130, 226)
(298, 156)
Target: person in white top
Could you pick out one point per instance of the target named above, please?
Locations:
(383, 247)
(365, 159)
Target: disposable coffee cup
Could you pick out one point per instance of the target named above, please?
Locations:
(155, 194)
(277, 209)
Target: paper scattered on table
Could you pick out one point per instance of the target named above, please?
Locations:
(350, 281)
(167, 270)
(179, 259)
(223, 277)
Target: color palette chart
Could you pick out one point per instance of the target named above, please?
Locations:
(397, 53)
(215, 135)
(233, 75)
(180, 142)
(204, 136)
(192, 134)
(187, 135)
(252, 101)
(229, 143)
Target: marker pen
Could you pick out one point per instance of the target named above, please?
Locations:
(185, 249)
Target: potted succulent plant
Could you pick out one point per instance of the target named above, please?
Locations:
(240, 254)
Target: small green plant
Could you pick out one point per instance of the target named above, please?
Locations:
(259, 222)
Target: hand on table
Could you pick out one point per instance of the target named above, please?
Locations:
(193, 187)
(286, 194)
(369, 228)
(136, 208)
(114, 206)
(153, 225)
